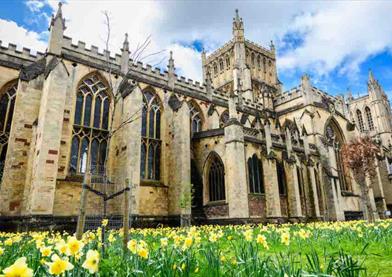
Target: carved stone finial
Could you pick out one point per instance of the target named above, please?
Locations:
(126, 43)
(170, 66)
(272, 46)
(58, 16)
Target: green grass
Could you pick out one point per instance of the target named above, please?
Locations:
(346, 249)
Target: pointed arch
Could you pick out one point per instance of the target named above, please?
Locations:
(332, 125)
(282, 182)
(369, 118)
(91, 123)
(196, 117)
(7, 105)
(360, 121)
(150, 160)
(335, 136)
(255, 175)
(215, 177)
(224, 118)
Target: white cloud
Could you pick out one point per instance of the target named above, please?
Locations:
(187, 60)
(35, 5)
(10, 32)
(336, 36)
(340, 36)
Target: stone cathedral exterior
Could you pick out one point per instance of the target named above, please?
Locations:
(252, 152)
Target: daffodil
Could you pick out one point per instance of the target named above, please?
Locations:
(46, 251)
(163, 242)
(74, 246)
(132, 246)
(92, 261)
(18, 269)
(105, 222)
(187, 243)
(61, 246)
(285, 238)
(59, 266)
(143, 252)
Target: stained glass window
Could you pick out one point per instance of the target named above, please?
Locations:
(360, 121)
(281, 178)
(7, 103)
(195, 117)
(255, 175)
(216, 179)
(335, 136)
(151, 137)
(224, 118)
(369, 118)
(90, 129)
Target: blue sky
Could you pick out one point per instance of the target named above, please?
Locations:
(336, 43)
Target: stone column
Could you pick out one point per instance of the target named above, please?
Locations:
(49, 131)
(129, 167)
(383, 206)
(312, 178)
(180, 161)
(334, 201)
(272, 197)
(293, 196)
(235, 170)
(20, 144)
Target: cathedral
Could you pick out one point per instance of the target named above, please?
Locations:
(241, 147)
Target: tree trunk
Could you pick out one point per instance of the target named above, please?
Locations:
(365, 201)
(126, 217)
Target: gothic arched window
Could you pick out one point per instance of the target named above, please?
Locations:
(224, 118)
(216, 179)
(264, 65)
(253, 59)
(281, 178)
(150, 161)
(335, 137)
(360, 121)
(227, 61)
(300, 181)
(7, 103)
(215, 69)
(369, 118)
(221, 65)
(195, 117)
(91, 125)
(255, 175)
(258, 62)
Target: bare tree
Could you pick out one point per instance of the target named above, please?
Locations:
(138, 55)
(359, 155)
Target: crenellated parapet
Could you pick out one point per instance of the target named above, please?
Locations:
(12, 57)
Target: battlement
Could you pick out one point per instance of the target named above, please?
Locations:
(93, 51)
(220, 51)
(289, 95)
(25, 53)
(258, 48)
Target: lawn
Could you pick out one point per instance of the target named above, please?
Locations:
(317, 249)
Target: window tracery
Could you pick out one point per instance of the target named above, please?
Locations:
(195, 117)
(255, 175)
(7, 104)
(151, 137)
(281, 178)
(224, 118)
(360, 121)
(216, 179)
(91, 126)
(369, 118)
(335, 137)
